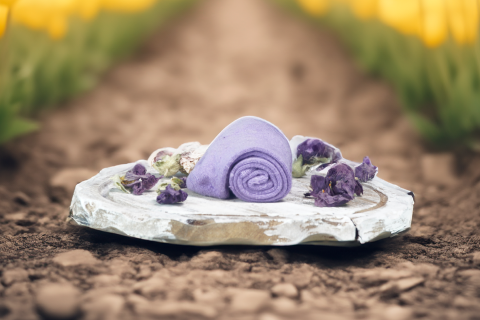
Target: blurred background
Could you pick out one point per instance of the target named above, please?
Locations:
(88, 84)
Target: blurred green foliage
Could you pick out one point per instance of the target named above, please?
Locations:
(38, 72)
(439, 87)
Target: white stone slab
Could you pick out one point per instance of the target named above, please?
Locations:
(384, 210)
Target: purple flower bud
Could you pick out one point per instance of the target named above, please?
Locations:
(312, 152)
(181, 182)
(171, 196)
(366, 170)
(312, 149)
(336, 188)
(139, 180)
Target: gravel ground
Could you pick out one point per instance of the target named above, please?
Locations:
(222, 60)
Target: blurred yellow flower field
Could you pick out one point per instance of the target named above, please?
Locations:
(428, 49)
(53, 49)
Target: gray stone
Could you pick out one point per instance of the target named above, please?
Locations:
(14, 275)
(75, 258)
(58, 301)
(285, 290)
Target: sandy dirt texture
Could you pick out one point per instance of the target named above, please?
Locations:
(222, 60)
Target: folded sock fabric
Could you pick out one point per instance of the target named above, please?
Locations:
(250, 158)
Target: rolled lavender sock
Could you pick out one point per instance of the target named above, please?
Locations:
(250, 158)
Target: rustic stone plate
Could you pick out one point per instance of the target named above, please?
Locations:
(384, 210)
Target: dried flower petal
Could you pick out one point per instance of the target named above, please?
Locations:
(171, 196)
(312, 152)
(336, 188)
(139, 180)
(168, 165)
(117, 181)
(181, 182)
(366, 170)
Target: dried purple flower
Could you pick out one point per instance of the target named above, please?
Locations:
(366, 170)
(139, 180)
(336, 188)
(171, 196)
(312, 152)
(181, 182)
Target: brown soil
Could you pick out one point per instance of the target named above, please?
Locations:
(222, 60)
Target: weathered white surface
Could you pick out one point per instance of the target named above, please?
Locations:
(383, 211)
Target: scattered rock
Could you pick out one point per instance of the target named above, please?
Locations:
(107, 307)
(150, 286)
(401, 285)
(206, 260)
(278, 255)
(121, 267)
(14, 275)
(67, 179)
(18, 289)
(469, 273)
(378, 275)
(476, 258)
(465, 303)
(300, 277)
(58, 301)
(17, 216)
(285, 290)
(439, 169)
(21, 198)
(283, 305)
(75, 257)
(248, 300)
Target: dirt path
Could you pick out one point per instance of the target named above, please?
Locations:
(223, 60)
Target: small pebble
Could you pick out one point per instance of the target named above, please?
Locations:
(283, 305)
(58, 301)
(14, 275)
